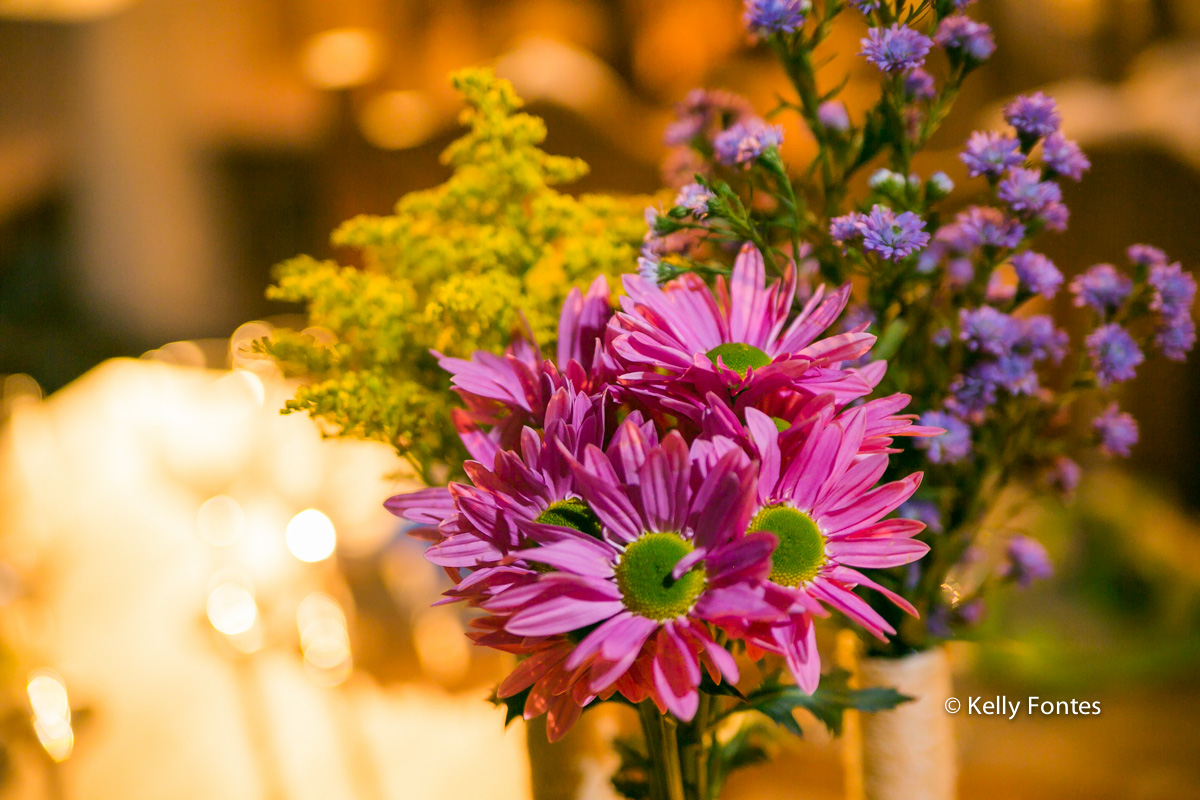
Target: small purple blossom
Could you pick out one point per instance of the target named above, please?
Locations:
(745, 141)
(950, 447)
(1062, 156)
(865, 6)
(1026, 561)
(987, 330)
(960, 272)
(701, 111)
(1118, 431)
(1055, 216)
(972, 392)
(925, 511)
(942, 337)
(694, 198)
(896, 49)
(1038, 337)
(1115, 355)
(1013, 373)
(1176, 337)
(765, 17)
(920, 85)
(1145, 255)
(991, 153)
(893, 236)
(833, 115)
(1026, 194)
(1174, 289)
(1064, 476)
(847, 228)
(1034, 116)
(1037, 274)
(962, 36)
(990, 227)
(1101, 288)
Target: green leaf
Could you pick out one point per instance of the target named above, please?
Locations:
(514, 705)
(828, 703)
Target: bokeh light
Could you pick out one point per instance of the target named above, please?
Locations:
(221, 521)
(342, 58)
(311, 536)
(232, 609)
(51, 713)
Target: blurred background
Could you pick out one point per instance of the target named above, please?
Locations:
(199, 598)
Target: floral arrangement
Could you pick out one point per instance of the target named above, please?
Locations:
(691, 477)
(717, 455)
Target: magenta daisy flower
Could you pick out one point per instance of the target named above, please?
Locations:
(503, 394)
(821, 502)
(669, 561)
(681, 342)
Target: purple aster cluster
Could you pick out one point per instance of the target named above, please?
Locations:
(1114, 353)
(1061, 156)
(1101, 288)
(965, 40)
(1027, 195)
(694, 197)
(833, 116)
(952, 446)
(919, 85)
(704, 113)
(991, 153)
(1026, 561)
(765, 17)
(729, 504)
(984, 226)
(1173, 294)
(744, 141)
(1116, 430)
(1037, 274)
(896, 49)
(1035, 116)
(882, 231)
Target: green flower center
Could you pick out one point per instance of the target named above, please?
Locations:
(781, 424)
(571, 513)
(739, 357)
(801, 550)
(644, 577)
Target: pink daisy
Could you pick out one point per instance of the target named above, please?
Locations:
(821, 502)
(670, 559)
(681, 342)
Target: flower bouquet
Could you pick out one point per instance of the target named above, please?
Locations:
(718, 453)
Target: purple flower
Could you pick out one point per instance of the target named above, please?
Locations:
(950, 447)
(893, 236)
(1064, 476)
(1034, 116)
(865, 6)
(833, 115)
(1063, 157)
(960, 272)
(972, 392)
(991, 153)
(1027, 561)
(963, 37)
(1101, 288)
(1144, 255)
(1115, 355)
(1040, 339)
(1174, 289)
(1012, 373)
(896, 49)
(1037, 274)
(847, 228)
(925, 511)
(1117, 430)
(989, 227)
(694, 198)
(703, 110)
(919, 85)
(745, 141)
(1176, 337)
(764, 17)
(1055, 216)
(1024, 191)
